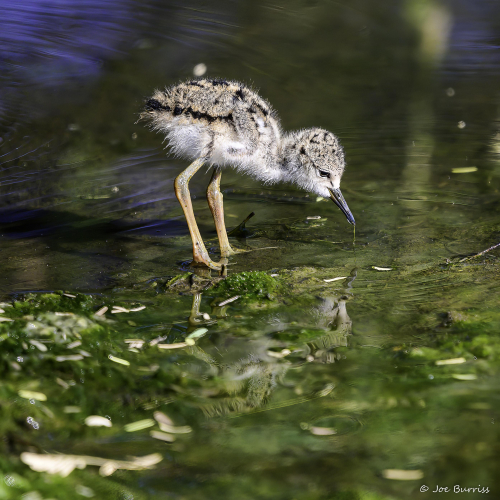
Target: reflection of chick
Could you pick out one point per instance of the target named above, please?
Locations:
(332, 316)
(329, 315)
(262, 380)
(340, 327)
(249, 383)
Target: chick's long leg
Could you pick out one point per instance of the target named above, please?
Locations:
(214, 197)
(200, 254)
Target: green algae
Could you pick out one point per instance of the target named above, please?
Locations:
(249, 285)
(51, 302)
(304, 367)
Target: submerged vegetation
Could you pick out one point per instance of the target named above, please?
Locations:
(89, 379)
(249, 285)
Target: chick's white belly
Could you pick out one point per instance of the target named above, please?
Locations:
(227, 151)
(193, 140)
(189, 140)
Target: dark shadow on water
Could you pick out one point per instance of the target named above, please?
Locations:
(34, 223)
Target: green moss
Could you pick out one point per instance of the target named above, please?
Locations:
(250, 285)
(52, 302)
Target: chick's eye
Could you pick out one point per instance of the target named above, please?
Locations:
(324, 174)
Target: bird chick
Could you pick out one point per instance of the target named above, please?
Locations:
(225, 123)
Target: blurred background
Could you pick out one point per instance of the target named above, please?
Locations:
(412, 88)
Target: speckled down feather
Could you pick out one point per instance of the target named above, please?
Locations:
(231, 125)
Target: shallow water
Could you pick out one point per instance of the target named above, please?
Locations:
(373, 386)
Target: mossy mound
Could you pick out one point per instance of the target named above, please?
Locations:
(35, 303)
(249, 285)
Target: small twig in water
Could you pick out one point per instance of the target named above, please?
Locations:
(263, 248)
(480, 253)
(228, 301)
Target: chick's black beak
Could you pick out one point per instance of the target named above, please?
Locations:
(338, 199)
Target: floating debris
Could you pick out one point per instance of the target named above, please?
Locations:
(335, 279)
(157, 340)
(160, 417)
(37, 396)
(69, 295)
(74, 344)
(119, 309)
(197, 333)
(120, 361)
(171, 429)
(65, 464)
(326, 390)
(101, 311)
(134, 343)
(279, 355)
(452, 361)
(97, 421)
(69, 357)
(228, 301)
(480, 253)
(167, 425)
(382, 268)
(461, 124)
(464, 376)
(463, 170)
(39, 345)
(402, 475)
(177, 345)
(5, 319)
(162, 436)
(139, 425)
(313, 217)
(322, 431)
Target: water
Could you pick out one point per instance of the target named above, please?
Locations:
(301, 388)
